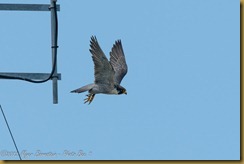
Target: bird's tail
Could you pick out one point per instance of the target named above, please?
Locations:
(83, 89)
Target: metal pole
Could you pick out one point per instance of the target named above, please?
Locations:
(54, 50)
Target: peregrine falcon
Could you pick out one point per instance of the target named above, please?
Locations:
(108, 74)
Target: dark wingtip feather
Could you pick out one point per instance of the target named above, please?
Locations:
(93, 39)
(74, 91)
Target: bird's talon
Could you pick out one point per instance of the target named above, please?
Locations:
(89, 98)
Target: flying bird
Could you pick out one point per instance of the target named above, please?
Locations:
(108, 74)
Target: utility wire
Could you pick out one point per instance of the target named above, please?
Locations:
(10, 132)
(55, 56)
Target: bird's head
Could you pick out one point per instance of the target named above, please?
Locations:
(121, 90)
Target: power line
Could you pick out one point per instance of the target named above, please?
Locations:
(10, 132)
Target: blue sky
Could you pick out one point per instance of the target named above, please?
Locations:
(182, 83)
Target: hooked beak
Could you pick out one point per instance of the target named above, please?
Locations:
(125, 92)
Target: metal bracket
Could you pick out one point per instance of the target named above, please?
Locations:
(27, 7)
(39, 76)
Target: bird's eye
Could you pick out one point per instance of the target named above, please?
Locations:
(120, 91)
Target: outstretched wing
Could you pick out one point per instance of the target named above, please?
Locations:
(104, 73)
(117, 60)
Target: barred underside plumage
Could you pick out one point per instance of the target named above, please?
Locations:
(108, 74)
